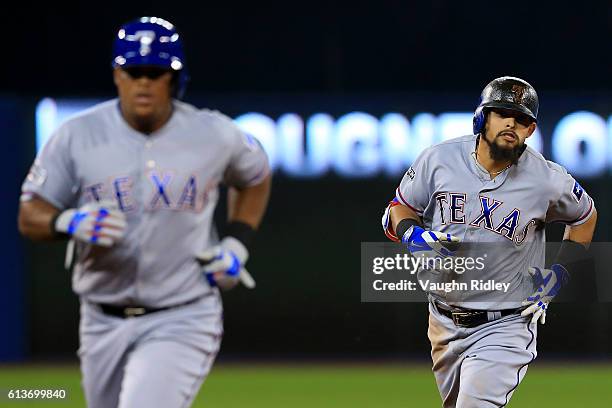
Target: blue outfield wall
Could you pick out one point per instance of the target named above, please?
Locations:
(16, 119)
(357, 137)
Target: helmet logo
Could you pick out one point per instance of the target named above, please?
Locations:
(517, 93)
(145, 37)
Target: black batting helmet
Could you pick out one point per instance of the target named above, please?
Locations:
(506, 93)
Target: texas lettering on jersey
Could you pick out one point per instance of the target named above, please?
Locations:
(168, 191)
(167, 184)
(452, 193)
(451, 207)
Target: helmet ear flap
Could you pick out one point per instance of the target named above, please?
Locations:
(174, 84)
(178, 84)
(478, 120)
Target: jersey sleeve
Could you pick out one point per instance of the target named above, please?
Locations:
(387, 225)
(51, 176)
(248, 164)
(573, 206)
(414, 190)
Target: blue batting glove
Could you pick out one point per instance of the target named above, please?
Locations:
(223, 264)
(430, 245)
(548, 282)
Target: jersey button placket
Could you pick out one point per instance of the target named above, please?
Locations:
(149, 164)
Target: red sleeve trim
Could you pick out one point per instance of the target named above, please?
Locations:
(399, 194)
(389, 231)
(577, 220)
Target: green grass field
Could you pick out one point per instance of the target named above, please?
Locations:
(338, 386)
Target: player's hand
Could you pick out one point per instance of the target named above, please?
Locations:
(99, 223)
(224, 264)
(548, 282)
(429, 245)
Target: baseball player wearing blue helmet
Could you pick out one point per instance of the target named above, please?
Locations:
(133, 183)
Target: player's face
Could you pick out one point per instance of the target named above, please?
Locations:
(145, 92)
(508, 129)
(505, 133)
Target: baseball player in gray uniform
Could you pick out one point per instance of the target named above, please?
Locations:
(133, 182)
(492, 189)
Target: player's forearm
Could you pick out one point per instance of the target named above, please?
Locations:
(401, 212)
(249, 204)
(582, 233)
(34, 219)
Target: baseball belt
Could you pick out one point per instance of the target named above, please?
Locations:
(136, 311)
(468, 318)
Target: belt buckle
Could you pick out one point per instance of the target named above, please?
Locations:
(134, 311)
(457, 316)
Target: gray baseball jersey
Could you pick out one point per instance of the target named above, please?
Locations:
(454, 194)
(167, 185)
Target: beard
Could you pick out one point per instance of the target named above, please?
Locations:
(498, 153)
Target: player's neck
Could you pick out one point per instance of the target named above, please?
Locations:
(494, 167)
(147, 125)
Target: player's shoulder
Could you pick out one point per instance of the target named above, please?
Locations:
(199, 116)
(453, 142)
(79, 124)
(208, 118)
(184, 108)
(450, 146)
(202, 115)
(222, 127)
(216, 118)
(535, 159)
(96, 113)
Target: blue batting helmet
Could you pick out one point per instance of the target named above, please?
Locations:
(507, 93)
(151, 41)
